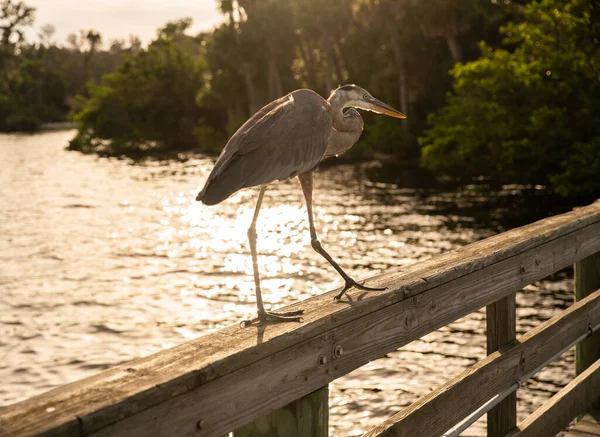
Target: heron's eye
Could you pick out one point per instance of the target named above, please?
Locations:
(366, 96)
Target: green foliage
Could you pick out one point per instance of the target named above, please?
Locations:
(148, 103)
(209, 139)
(528, 115)
(523, 112)
(30, 91)
(13, 16)
(269, 47)
(580, 171)
(382, 135)
(34, 94)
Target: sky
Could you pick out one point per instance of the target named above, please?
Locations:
(119, 18)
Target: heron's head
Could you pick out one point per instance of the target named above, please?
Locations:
(357, 97)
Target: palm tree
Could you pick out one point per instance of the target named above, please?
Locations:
(396, 17)
(321, 27)
(447, 19)
(267, 22)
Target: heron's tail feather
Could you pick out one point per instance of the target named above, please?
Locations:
(221, 187)
(211, 194)
(200, 196)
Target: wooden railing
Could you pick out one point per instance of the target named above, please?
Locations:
(261, 379)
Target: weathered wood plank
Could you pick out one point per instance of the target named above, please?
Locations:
(587, 279)
(578, 433)
(175, 388)
(588, 426)
(305, 417)
(457, 398)
(501, 330)
(559, 411)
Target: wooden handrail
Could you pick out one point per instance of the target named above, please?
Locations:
(213, 384)
(560, 410)
(455, 399)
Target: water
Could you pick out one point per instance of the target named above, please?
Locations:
(105, 260)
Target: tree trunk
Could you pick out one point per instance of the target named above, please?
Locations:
(342, 62)
(402, 79)
(328, 75)
(455, 48)
(329, 64)
(275, 90)
(250, 89)
(307, 56)
(338, 66)
(274, 78)
(235, 112)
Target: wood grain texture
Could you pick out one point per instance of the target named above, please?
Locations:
(305, 417)
(559, 411)
(588, 426)
(457, 398)
(587, 279)
(501, 320)
(233, 376)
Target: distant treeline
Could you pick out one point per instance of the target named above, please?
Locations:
(522, 107)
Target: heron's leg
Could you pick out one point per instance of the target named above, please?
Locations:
(306, 180)
(263, 315)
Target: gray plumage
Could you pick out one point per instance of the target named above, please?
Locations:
(347, 135)
(287, 138)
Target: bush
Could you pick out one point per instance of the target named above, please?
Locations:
(210, 140)
(148, 103)
(528, 115)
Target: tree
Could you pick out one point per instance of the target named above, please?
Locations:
(321, 28)
(148, 103)
(31, 90)
(93, 40)
(14, 15)
(392, 13)
(447, 19)
(265, 24)
(75, 43)
(527, 115)
(231, 80)
(46, 33)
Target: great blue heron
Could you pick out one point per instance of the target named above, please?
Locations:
(289, 137)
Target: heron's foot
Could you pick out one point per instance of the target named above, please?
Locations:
(275, 317)
(360, 285)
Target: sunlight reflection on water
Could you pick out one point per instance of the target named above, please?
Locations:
(103, 261)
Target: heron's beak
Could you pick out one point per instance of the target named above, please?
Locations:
(374, 105)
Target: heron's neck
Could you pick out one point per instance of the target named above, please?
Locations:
(346, 128)
(349, 122)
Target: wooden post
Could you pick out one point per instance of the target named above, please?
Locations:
(501, 329)
(305, 417)
(587, 280)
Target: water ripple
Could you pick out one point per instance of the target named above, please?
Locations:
(104, 260)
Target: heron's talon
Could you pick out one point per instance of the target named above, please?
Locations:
(360, 285)
(245, 323)
(351, 283)
(289, 313)
(273, 317)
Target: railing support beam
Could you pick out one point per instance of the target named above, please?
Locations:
(305, 417)
(587, 280)
(501, 329)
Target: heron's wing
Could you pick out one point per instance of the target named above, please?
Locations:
(286, 138)
(239, 143)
